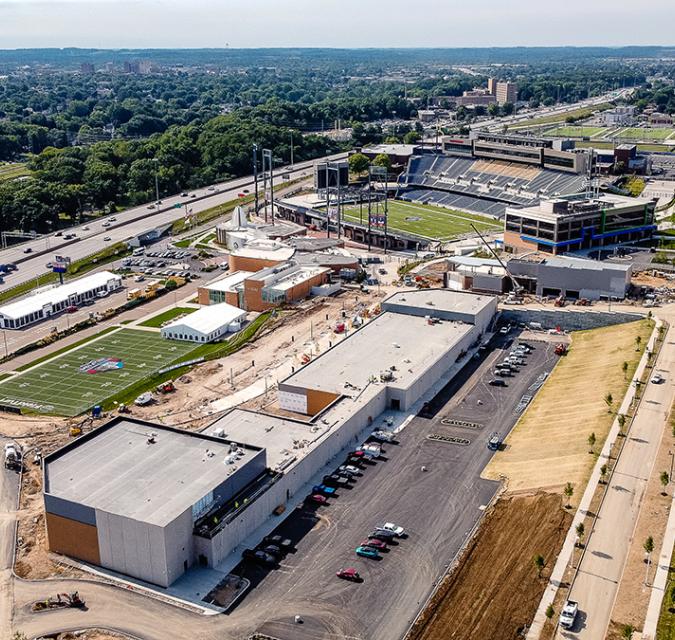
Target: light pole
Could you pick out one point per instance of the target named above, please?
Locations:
(156, 161)
(255, 175)
(672, 457)
(291, 148)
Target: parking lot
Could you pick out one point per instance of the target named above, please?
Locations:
(163, 263)
(438, 507)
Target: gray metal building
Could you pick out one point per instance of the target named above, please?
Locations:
(127, 496)
(571, 277)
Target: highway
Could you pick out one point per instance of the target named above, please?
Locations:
(8, 497)
(130, 223)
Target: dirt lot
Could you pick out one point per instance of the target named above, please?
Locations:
(91, 634)
(567, 409)
(495, 590)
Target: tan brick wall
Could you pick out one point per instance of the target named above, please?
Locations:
(72, 538)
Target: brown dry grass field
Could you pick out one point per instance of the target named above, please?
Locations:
(549, 445)
(495, 590)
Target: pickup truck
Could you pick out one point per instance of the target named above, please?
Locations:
(382, 436)
(322, 488)
(569, 614)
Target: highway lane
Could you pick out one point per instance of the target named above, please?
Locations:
(129, 223)
(8, 498)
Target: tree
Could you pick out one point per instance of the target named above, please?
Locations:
(591, 441)
(568, 492)
(358, 163)
(648, 545)
(621, 420)
(672, 599)
(171, 285)
(382, 160)
(624, 368)
(539, 563)
(581, 530)
(609, 401)
(411, 137)
(550, 611)
(508, 108)
(603, 473)
(627, 631)
(638, 342)
(665, 479)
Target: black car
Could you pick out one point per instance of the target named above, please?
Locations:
(382, 534)
(259, 557)
(277, 540)
(497, 382)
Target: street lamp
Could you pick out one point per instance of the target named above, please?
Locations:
(156, 161)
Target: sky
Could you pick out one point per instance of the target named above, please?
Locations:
(333, 23)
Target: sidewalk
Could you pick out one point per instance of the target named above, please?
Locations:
(568, 547)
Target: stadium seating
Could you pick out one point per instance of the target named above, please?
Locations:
(483, 186)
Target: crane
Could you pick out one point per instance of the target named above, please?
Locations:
(517, 288)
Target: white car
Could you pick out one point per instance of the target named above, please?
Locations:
(350, 469)
(382, 436)
(106, 239)
(569, 614)
(657, 378)
(394, 528)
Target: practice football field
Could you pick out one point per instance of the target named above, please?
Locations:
(644, 133)
(425, 220)
(577, 132)
(65, 386)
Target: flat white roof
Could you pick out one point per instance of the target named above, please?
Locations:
(229, 282)
(207, 319)
(406, 342)
(55, 295)
(440, 300)
(290, 280)
(265, 250)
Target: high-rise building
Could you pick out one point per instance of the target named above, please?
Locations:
(506, 92)
(492, 86)
(131, 67)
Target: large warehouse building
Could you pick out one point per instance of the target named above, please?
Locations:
(151, 501)
(126, 496)
(48, 302)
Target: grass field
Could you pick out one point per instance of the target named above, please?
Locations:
(579, 114)
(9, 171)
(549, 445)
(59, 386)
(169, 314)
(609, 145)
(426, 220)
(639, 133)
(576, 132)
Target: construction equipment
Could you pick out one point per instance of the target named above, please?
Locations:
(62, 601)
(166, 387)
(559, 301)
(517, 288)
(12, 456)
(560, 349)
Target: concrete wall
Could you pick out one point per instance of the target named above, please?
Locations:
(569, 319)
(179, 546)
(481, 319)
(137, 548)
(72, 538)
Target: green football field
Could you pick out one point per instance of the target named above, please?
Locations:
(640, 133)
(426, 220)
(63, 386)
(577, 132)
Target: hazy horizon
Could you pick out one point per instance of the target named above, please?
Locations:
(340, 24)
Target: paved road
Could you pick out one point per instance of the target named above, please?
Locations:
(603, 563)
(8, 497)
(129, 224)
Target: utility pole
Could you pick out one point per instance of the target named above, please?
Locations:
(156, 161)
(370, 205)
(291, 149)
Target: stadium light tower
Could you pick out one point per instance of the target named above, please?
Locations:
(255, 176)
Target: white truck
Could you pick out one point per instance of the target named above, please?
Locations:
(569, 614)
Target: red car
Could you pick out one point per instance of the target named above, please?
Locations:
(71, 309)
(374, 543)
(348, 574)
(318, 499)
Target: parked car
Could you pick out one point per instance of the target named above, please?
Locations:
(397, 530)
(350, 469)
(259, 556)
(273, 550)
(497, 382)
(349, 574)
(322, 488)
(317, 498)
(382, 534)
(71, 309)
(367, 552)
(374, 543)
(657, 378)
(279, 541)
(382, 436)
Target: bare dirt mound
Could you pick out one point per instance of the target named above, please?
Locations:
(495, 590)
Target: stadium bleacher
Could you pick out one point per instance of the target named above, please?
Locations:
(482, 186)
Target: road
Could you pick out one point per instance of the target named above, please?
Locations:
(8, 498)
(129, 223)
(597, 582)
